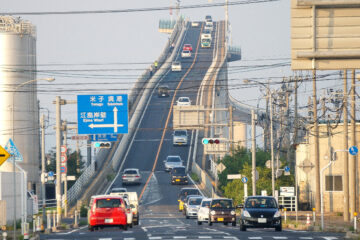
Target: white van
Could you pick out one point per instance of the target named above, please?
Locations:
(134, 204)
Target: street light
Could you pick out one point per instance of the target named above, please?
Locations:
(13, 137)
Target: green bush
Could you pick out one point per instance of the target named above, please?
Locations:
(195, 177)
(83, 211)
(110, 177)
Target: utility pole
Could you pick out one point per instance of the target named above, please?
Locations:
(295, 143)
(345, 154)
(272, 146)
(253, 152)
(316, 146)
(231, 129)
(352, 159)
(43, 187)
(58, 162)
(64, 128)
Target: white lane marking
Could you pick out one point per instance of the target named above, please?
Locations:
(102, 238)
(65, 233)
(306, 238)
(255, 237)
(179, 237)
(205, 237)
(155, 237)
(280, 238)
(129, 238)
(329, 238)
(231, 237)
(128, 232)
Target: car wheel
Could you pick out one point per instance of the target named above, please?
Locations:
(199, 223)
(233, 224)
(225, 223)
(242, 228)
(187, 217)
(125, 227)
(278, 229)
(130, 225)
(209, 223)
(91, 228)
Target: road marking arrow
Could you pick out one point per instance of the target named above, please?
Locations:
(4, 155)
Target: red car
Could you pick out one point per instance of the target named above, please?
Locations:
(188, 47)
(107, 211)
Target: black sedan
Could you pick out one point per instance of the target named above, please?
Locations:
(260, 212)
(179, 175)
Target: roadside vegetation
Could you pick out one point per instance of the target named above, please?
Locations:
(240, 163)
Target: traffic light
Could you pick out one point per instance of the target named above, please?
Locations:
(210, 141)
(102, 144)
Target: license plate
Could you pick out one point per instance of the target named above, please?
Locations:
(220, 219)
(180, 143)
(178, 180)
(108, 220)
(261, 220)
(163, 95)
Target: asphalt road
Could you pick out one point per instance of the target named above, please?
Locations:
(159, 217)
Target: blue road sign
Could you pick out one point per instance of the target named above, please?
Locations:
(244, 179)
(14, 152)
(103, 137)
(102, 114)
(353, 150)
(287, 169)
(63, 169)
(51, 174)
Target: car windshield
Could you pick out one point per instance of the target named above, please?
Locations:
(176, 63)
(116, 190)
(186, 192)
(183, 100)
(130, 172)
(108, 203)
(187, 45)
(178, 171)
(180, 133)
(195, 201)
(205, 204)
(173, 159)
(186, 51)
(260, 203)
(221, 203)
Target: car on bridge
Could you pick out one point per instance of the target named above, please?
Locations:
(176, 66)
(185, 54)
(184, 192)
(118, 190)
(222, 211)
(208, 18)
(163, 90)
(208, 26)
(195, 24)
(260, 212)
(183, 101)
(172, 161)
(180, 137)
(203, 213)
(188, 47)
(107, 211)
(206, 34)
(179, 175)
(192, 206)
(131, 176)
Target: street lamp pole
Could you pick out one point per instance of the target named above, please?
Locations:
(13, 138)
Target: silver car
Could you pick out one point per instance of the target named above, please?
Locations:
(192, 206)
(180, 137)
(172, 161)
(131, 176)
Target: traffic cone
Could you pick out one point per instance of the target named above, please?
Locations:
(308, 219)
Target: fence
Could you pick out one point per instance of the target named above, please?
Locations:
(288, 202)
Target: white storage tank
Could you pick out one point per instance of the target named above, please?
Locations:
(19, 112)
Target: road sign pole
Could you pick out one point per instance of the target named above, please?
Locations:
(65, 174)
(58, 162)
(43, 188)
(253, 151)
(352, 158)
(245, 191)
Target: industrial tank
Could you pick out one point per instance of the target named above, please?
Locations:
(19, 112)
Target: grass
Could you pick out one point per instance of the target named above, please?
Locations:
(195, 177)
(83, 223)
(110, 177)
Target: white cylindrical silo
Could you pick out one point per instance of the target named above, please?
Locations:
(18, 101)
(240, 138)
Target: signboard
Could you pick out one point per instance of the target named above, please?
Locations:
(220, 167)
(244, 179)
(51, 174)
(101, 114)
(287, 191)
(63, 169)
(325, 34)
(234, 176)
(188, 117)
(103, 137)
(4, 155)
(12, 149)
(80, 137)
(353, 150)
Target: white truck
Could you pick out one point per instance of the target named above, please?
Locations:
(134, 204)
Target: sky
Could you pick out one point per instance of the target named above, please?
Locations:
(89, 53)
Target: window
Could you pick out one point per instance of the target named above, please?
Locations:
(333, 183)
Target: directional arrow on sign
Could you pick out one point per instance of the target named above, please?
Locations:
(4, 155)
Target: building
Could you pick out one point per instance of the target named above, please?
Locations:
(330, 140)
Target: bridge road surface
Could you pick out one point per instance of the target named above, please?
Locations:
(159, 216)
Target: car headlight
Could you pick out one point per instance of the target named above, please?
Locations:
(277, 214)
(212, 212)
(232, 213)
(246, 213)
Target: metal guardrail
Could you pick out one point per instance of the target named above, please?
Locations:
(48, 203)
(288, 202)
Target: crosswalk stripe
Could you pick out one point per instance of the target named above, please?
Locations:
(255, 237)
(155, 237)
(129, 238)
(329, 238)
(306, 238)
(280, 238)
(179, 237)
(205, 237)
(105, 238)
(231, 237)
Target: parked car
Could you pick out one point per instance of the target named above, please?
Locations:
(184, 192)
(163, 90)
(117, 190)
(172, 161)
(260, 212)
(179, 175)
(183, 101)
(195, 24)
(192, 206)
(180, 137)
(203, 213)
(188, 47)
(107, 211)
(222, 211)
(185, 54)
(176, 66)
(131, 176)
